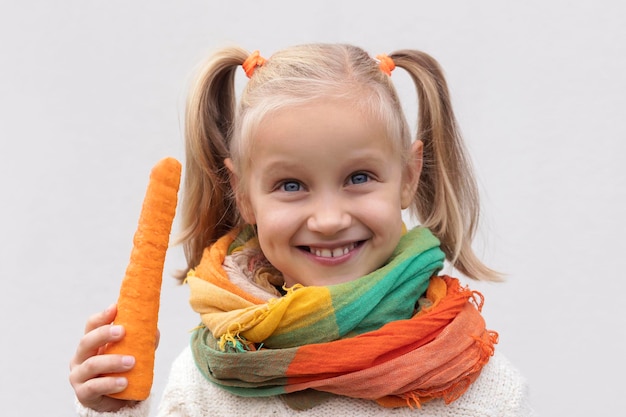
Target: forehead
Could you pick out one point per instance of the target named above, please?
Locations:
(323, 126)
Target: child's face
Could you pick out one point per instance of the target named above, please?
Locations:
(325, 189)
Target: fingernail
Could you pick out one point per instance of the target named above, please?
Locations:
(121, 382)
(116, 331)
(128, 360)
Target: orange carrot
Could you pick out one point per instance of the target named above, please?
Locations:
(140, 291)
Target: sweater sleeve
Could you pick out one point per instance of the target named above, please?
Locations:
(141, 409)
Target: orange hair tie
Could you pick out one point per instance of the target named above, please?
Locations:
(385, 63)
(253, 61)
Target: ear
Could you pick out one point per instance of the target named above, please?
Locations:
(242, 200)
(412, 173)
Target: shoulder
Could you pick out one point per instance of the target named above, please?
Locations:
(500, 390)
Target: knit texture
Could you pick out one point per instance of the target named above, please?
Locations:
(499, 391)
(141, 409)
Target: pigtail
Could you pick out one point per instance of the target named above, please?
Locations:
(208, 204)
(447, 197)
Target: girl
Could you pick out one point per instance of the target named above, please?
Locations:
(312, 294)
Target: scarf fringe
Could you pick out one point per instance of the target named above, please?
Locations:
(232, 340)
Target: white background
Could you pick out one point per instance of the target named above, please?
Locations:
(92, 94)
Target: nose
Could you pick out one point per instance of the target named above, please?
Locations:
(329, 216)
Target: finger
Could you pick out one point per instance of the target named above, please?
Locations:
(95, 366)
(92, 391)
(94, 394)
(158, 338)
(100, 319)
(91, 344)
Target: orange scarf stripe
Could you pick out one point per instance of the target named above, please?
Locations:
(399, 337)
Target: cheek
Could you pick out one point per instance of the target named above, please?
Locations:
(383, 215)
(273, 217)
(385, 202)
(274, 242)
(275, 227)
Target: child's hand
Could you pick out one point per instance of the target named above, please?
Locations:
(89, 364)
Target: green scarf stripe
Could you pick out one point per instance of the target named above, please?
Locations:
(217, 367)
(391, 303)
(393, 290)
(254, 391)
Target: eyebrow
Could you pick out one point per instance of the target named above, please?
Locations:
(364, 158)
(281, 165)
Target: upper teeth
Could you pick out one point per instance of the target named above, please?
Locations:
(332, 253)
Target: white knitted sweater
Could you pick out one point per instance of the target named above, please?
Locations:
(499, 391)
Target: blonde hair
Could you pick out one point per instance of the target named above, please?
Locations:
(216, 128)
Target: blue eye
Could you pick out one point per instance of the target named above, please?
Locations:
(359, 178)
(291, 186)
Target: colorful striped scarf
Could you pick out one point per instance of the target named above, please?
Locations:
(400, 335)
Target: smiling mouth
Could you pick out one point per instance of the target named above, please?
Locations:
(332, 252)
